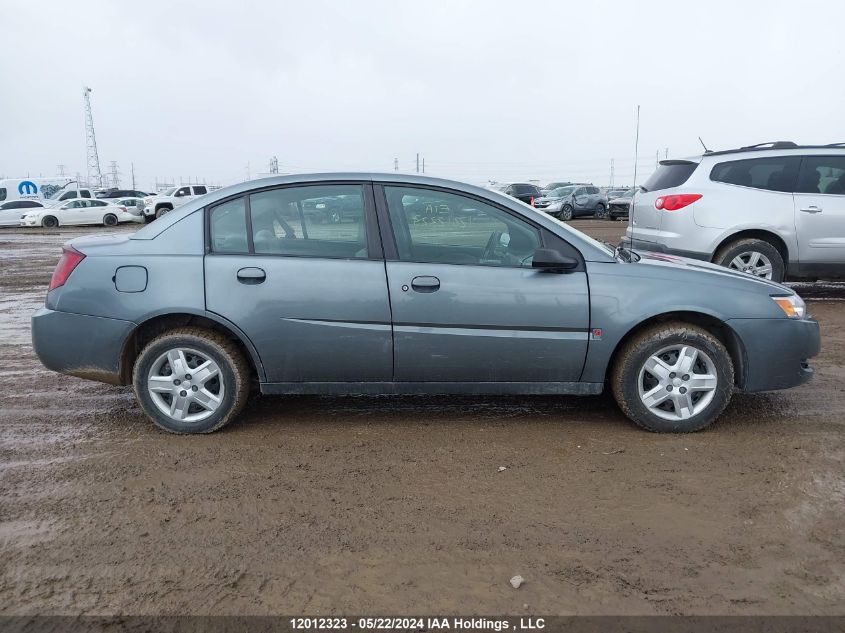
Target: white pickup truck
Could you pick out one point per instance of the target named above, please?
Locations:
(167, 200)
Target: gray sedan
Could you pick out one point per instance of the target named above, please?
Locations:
(409, 294)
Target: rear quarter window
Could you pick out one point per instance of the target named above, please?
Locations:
(670, 174)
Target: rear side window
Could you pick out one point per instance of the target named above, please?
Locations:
(775, 173)
(670, 174)
(822, 174)
(2, 193)
(312, 221)
(200, 190)
(228, 227)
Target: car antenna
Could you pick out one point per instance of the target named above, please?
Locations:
(706, 151)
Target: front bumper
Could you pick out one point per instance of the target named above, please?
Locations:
(80, 345)
(777, 351)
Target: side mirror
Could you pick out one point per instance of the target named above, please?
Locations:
(551, 260)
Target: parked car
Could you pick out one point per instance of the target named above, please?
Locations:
(11, 211)
(555, 185)
(775, 210)
(620, 205)
(157, 205)
(240, 287)
(524, 191)
(615, 193)
(121, 193)
(79, 211)
(68, 192)
(574, 201)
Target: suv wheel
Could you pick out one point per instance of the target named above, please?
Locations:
(161, 211)
(601, 212)
(191, 380)
(565, 212)
(673, 378)
(752, 256)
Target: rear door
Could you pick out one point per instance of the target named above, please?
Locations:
(820, 211)
(467, 305)
(310, 295)
(11, 212)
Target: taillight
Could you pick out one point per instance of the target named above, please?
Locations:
(675, 201)
(67, 262)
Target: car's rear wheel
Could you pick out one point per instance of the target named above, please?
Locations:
(110, 219)
(191, 380)
(49, 222)
(601, 212)
(161, 211)
(565, 212)
(673, 378)
(755, 257)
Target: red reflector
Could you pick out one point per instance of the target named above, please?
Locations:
(67, 262)
(675, 201)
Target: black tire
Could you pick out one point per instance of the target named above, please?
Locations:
(148, 219)
(631, 358)
(49, 222)
(725, 255)
(565, 213)
(601, 212)
(234, 373)
(161, 211)
(110, 219)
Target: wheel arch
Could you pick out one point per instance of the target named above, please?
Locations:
(163, 205)
(157, 324)
(717, 327)
(758, 234)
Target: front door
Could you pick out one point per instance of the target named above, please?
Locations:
(310, 294)
(467, 305)
(820, 212)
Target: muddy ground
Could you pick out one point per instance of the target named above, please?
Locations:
(369, 505)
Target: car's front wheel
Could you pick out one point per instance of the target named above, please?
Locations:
(50, 222)
(753, 256)
(673, 378)
(191, 380)
(565, 212)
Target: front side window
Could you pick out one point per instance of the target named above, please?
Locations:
(97, 203)
(434, 226)
(2, 193)
(822, 174)
(228, 227)
(776, 173)
(184, 191)
(310, 221)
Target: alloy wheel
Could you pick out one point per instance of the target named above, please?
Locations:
(753, 263)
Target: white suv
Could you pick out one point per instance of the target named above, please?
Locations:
(167, 200)
(773, 210)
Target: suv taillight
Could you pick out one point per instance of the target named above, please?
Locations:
(675, 201)
(69, 260)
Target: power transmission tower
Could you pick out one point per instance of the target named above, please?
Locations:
(95, 177)
(418, 162)
(114, 175)
(60, 169)
(423, 164)
(395, 164)
(274, 165)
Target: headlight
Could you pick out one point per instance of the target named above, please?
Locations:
(792, 306)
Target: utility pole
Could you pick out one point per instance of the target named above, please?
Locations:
(132, 170)
(395, 164)
(611, 173)
(423, 164)
(667, 154)
(656, 159)
(418, 162)
(636, 150)
(95, 177)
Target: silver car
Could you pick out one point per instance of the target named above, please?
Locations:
(573, 201)
(426, 286)
(774, 210)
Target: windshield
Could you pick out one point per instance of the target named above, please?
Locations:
(71, 186)
(600, 245)
(168, 192)
(562, 192)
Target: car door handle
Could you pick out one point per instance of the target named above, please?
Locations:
(251, 275)
(811, 209)
(425, 284)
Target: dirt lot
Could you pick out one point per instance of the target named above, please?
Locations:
(379, 505)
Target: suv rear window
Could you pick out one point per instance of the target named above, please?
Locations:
(526, 190)
(774, 173)
(670, 174)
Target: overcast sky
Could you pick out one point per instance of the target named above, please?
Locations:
(483, 90)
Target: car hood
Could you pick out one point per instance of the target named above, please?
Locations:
(546, 199)
(619, 201)
(706, 268)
